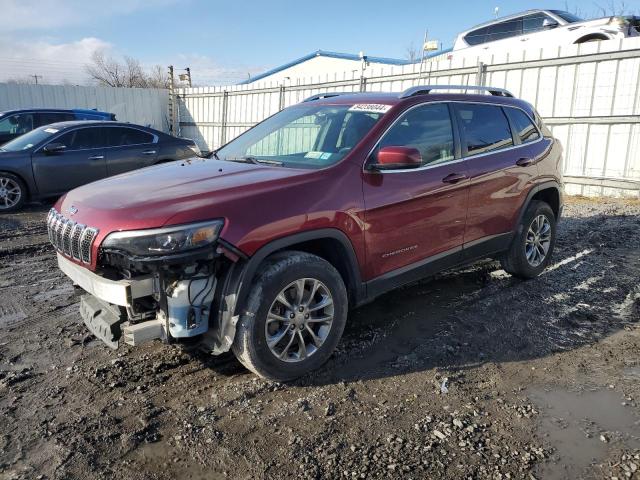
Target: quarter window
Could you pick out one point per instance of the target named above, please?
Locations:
(484, 127)
(122, 136)
(523, 125)
(427, 128)
(476, 37)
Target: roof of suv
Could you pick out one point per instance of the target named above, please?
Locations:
(419, 94)
(87, 123)
(84, 111)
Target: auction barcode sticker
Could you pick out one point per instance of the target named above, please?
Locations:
(369, 107)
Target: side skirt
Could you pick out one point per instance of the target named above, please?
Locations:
(468, 253)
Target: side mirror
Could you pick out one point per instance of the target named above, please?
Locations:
(549, 23)
(392, 158)
(54, 148)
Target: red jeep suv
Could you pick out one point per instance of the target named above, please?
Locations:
(324, 206)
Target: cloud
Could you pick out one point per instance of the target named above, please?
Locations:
(52, 62)
(17, 15)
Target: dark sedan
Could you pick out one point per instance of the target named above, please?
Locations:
(56, 158)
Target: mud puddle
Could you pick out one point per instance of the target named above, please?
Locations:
(583, 427)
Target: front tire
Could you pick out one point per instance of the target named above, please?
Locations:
(532, 247)
(13, 192)
(294, 317)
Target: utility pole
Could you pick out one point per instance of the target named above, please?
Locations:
(36, 77)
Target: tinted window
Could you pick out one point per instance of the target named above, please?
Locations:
(122, 136)
(17, 124)
(52, 117)
(476, 37)
(484, 127)
(534, 23)
(567, 17)
(507, 29)
(28, 140)
(523, 125)
(81, 139)
(427, 128)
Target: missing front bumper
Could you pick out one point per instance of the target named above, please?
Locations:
(102, 319)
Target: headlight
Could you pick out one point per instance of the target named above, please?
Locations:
(165, 241)
(618, 21)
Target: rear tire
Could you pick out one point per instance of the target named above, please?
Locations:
(13, 192)
(294, 317)
(532, 246)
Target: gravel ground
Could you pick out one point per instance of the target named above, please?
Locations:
(472, 374)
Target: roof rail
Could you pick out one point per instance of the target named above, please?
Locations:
(318, 96)
(425, 89)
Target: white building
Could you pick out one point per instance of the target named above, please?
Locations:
(321, 63)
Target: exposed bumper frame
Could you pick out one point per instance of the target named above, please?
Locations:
(117, 292)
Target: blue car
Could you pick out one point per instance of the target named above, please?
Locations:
(18, 122)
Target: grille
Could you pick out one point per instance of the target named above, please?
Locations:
(72, 239)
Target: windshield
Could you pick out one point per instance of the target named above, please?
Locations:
(28, 140)
(566, 16)
(305, 136)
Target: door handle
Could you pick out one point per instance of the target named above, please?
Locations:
(524, 162)
(454, 178)
(149, 152)
(96, 157)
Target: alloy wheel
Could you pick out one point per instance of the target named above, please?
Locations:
(538, 240)
(299, 320)
(10, 193)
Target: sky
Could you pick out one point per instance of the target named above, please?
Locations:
(225, 41)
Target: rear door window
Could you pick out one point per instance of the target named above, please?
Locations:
(484, 127)
(427, 128)
(523, 126)
(123, 136)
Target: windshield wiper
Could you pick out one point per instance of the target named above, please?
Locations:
(255, 160)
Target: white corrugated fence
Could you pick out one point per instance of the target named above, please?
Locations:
(136, 105)
(588, 94)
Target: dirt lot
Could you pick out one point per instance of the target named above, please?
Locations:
(471, 375)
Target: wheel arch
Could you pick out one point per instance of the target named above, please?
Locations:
(330, 244)
(22, 179)
(549, 192)
(591, 37)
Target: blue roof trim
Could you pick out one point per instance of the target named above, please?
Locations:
(324, 53)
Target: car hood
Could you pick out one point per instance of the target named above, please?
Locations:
(167, 194)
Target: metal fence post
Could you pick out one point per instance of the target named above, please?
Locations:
(480, 76)
(223, 121)
(363, 83)
(281, 100)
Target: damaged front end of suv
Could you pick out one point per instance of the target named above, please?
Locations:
(164, 283)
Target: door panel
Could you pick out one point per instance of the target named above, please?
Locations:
(501, 166)
(82, 162)
(129, 149)
(414, 214)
